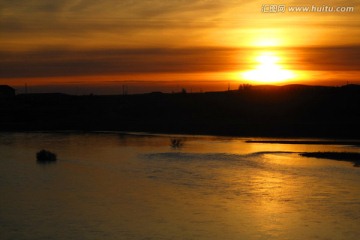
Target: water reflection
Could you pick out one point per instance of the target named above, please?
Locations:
(121, 186)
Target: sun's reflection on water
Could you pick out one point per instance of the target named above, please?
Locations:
(139, 187)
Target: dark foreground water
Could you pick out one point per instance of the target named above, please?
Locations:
(115, 186)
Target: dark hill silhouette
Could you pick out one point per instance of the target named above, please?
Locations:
(6, 91)
(287, 111)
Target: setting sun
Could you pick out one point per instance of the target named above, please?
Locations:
(268, 69)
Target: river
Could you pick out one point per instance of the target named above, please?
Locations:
(110, 185)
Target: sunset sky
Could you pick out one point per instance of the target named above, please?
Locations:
(88, 46)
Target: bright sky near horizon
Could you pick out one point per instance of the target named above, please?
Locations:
(67, 44)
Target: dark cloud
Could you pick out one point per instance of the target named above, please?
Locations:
(67, 62)
(62, 62)
(342, 58)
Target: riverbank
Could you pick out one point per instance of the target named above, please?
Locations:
(308, 142)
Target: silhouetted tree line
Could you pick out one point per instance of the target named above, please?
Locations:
(293, 110)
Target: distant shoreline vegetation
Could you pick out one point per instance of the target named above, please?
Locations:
(258, 111)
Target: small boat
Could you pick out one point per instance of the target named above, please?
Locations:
(45, 156)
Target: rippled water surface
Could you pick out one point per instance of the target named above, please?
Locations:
(126, 186)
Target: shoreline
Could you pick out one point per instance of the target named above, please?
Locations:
(308, 142)
(351, 157)
(291, 140)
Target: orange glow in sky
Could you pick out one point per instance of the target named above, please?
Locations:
(99, 42)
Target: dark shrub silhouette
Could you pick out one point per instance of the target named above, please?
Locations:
(244, 87)
(176, 142)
